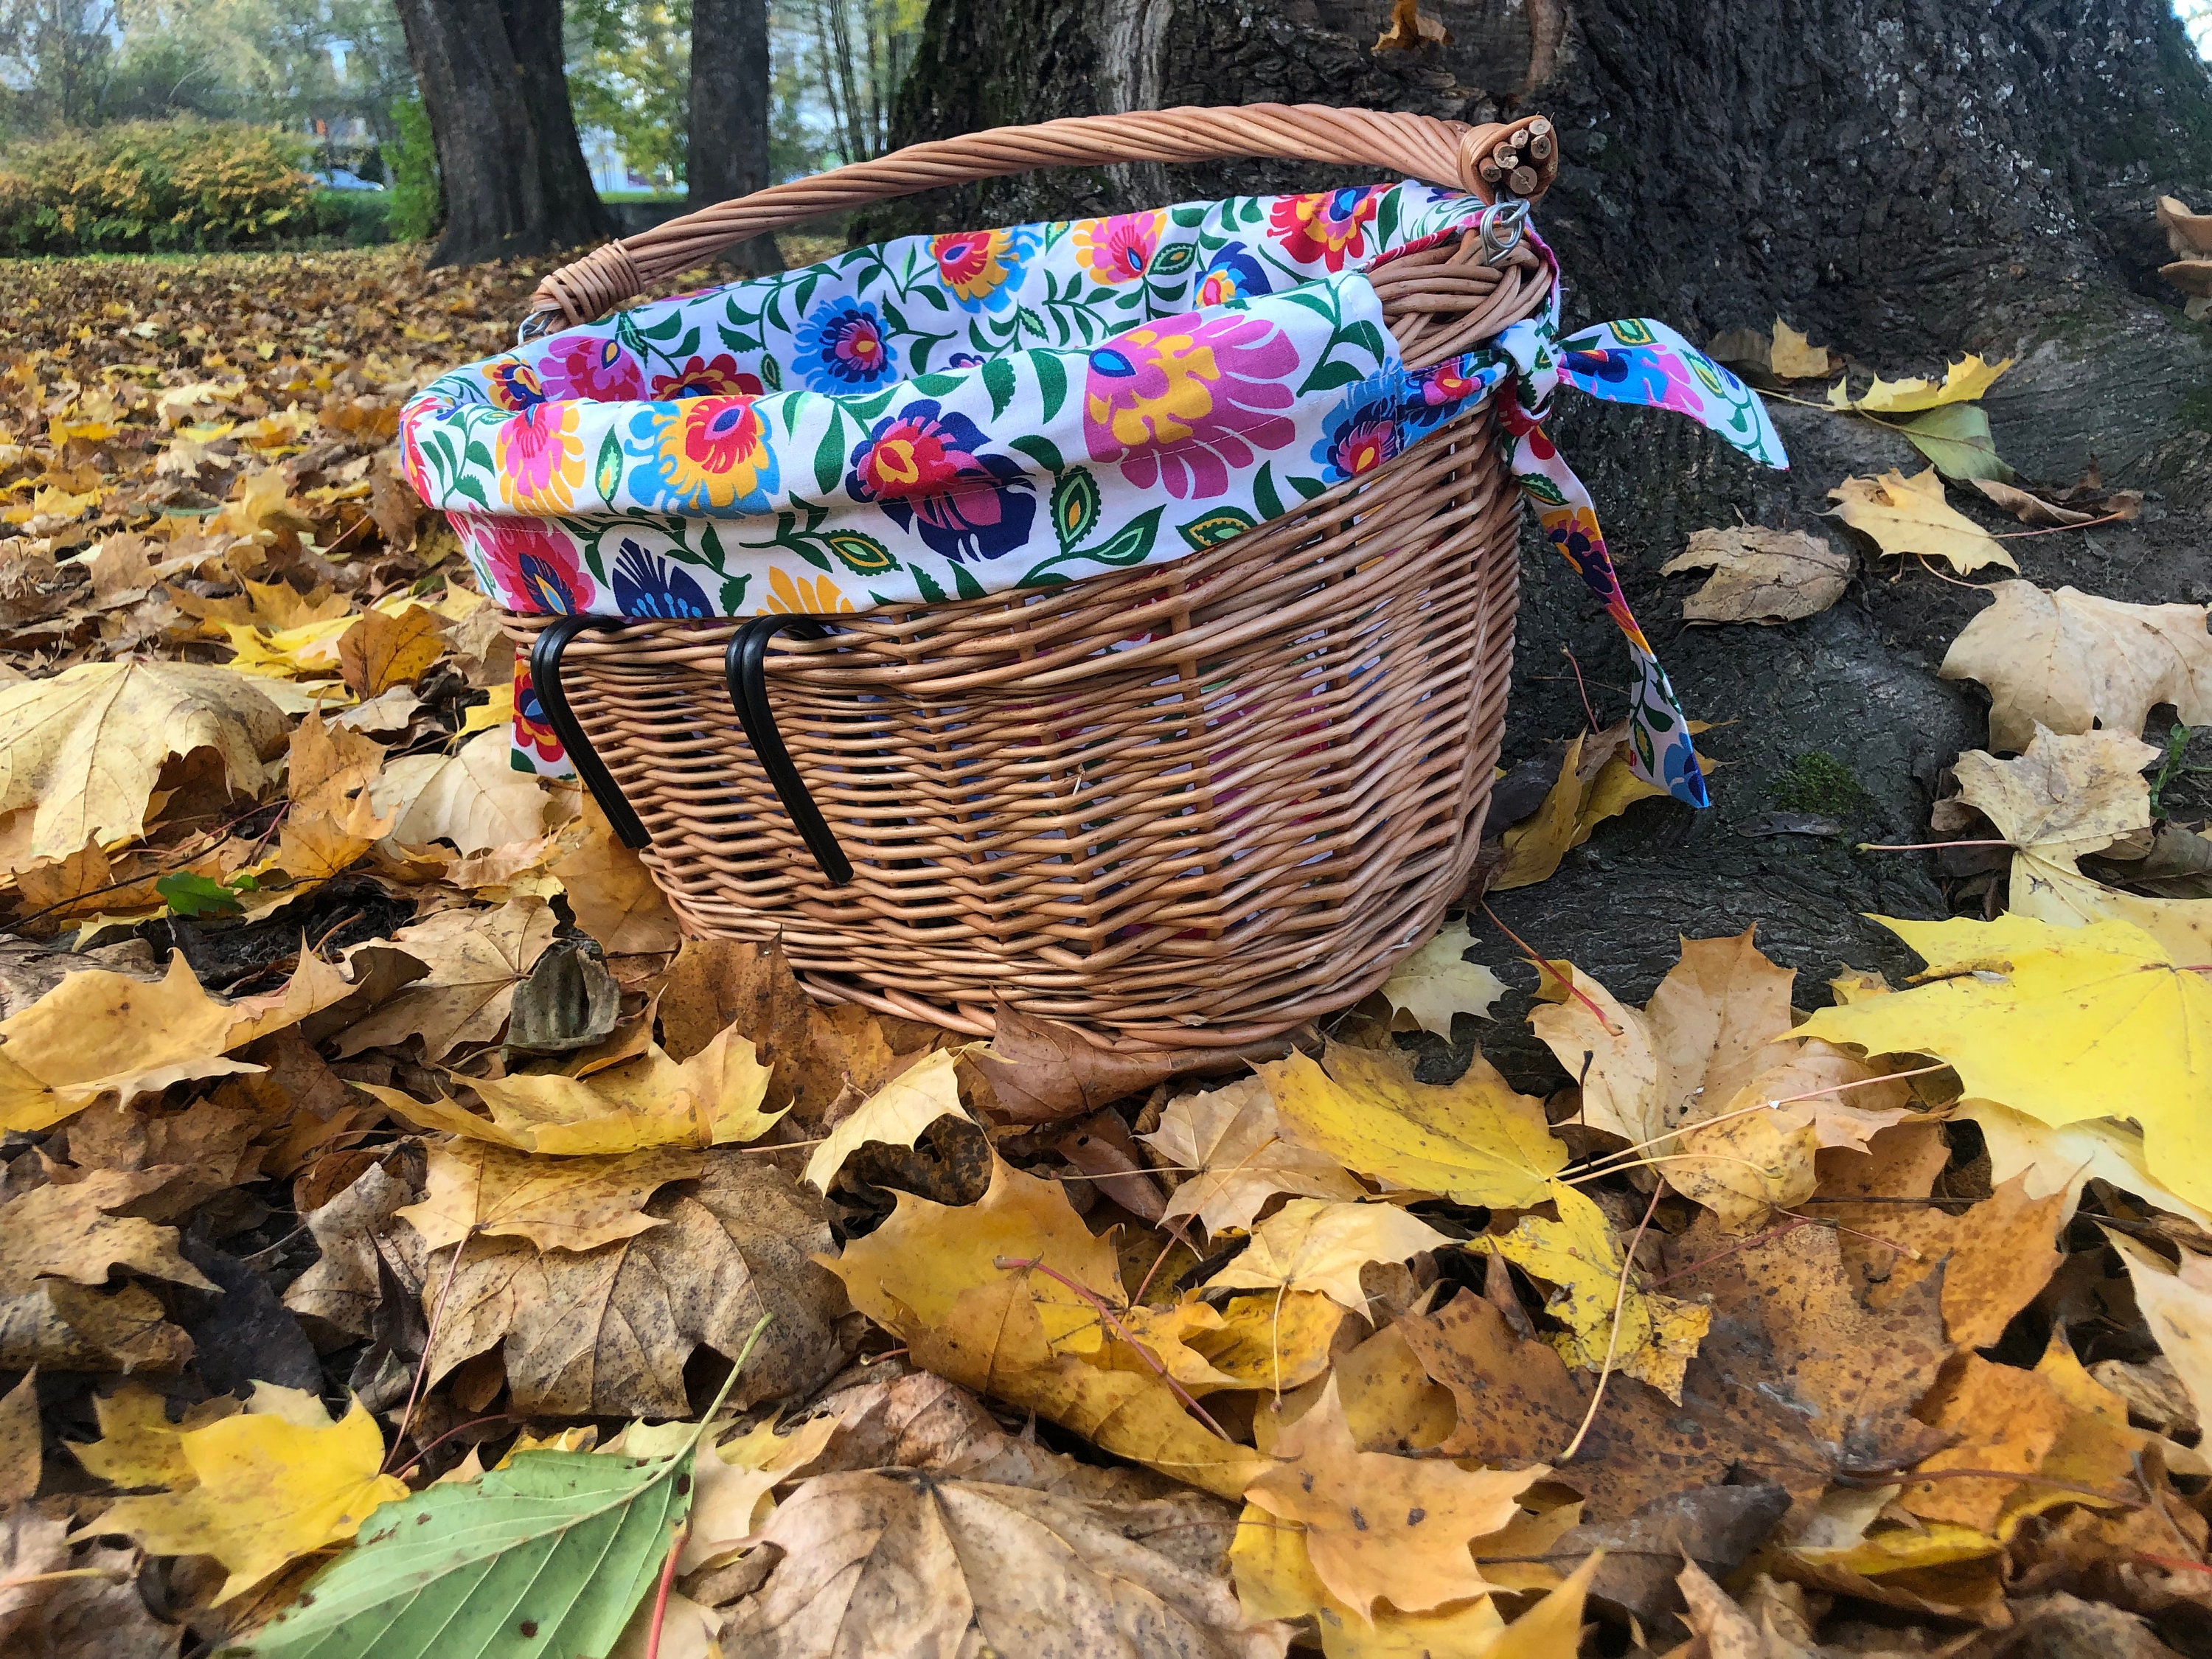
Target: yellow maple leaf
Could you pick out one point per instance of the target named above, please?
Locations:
(2061, 1023)
(1909, 515)
(1438, 981)
(331, 823)
(565, 1204)
(267, 1486)
(101, 1034)
(1963, 382)
(1231, 1144)
(1475, 1141)
(1793, 356)
(2177, 1304)
(711, 1099)
(86, 747)
(894, 1116)
(1311, 1244)
(1274, 1342)
(1578, 1253)
(1378, 1526)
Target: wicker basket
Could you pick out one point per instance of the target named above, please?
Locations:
(1188, 805)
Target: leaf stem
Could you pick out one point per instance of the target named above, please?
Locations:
(1612, 1337)
(677, 1535)
(1604, 1024)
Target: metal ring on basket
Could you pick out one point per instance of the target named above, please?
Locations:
(745, 669)
(1500, 228)
(545, 652)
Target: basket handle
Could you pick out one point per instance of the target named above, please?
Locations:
(1519, 159)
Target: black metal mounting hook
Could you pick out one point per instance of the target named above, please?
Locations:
(545, 654)
(745, 669)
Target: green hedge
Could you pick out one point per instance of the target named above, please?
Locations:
(157, 185)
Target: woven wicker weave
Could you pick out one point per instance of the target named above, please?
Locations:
(1189, 805)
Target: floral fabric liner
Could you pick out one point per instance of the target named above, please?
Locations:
(944, 417)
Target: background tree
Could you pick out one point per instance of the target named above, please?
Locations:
(55, 59)
(1907, 178)
(492, 74)
(732, 106)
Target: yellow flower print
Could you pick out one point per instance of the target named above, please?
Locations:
(540, 458)
(803, 596)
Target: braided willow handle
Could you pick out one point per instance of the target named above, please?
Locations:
(1518, 159)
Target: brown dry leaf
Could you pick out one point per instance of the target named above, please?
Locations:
(1475, 1140)
(1410, 29)
(709, 1100)
(104, 1034)
(379, 651)
(1994, 1257)
(48, 1611)
(471, 797)
(1761, 575)
(1905, 515)
(1043, 1072)
(2073, 661)
(2029, 508)
(1228, 1148)
(557, 1204)
(1380, 1527)
(1312, 1244)
(328, 779)
(2178, 1304)
(897, 1564)
(1795, 1382)
(342, 1287)
(612, 893)
(476, 960)
(86, 747)
(606, 1332)
(21, 1443)
(811, 1052)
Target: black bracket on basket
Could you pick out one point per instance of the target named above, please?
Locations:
(545, 679)
(746, 668)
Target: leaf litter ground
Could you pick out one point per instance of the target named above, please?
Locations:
(408, 1243)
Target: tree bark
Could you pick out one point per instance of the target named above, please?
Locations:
(728, 153)
(495, 85)
(1908, 180)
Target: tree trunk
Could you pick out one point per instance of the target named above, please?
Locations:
(495, 85)
(728, 145)
(1907, 180)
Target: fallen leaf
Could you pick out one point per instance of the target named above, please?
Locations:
(53, 1602)
(2063, 1160)
(2073, 661)
(612, 893)
(1761, 575)
(86, 747)
(1438, 981)
(1963, 381)
(895, 1114)
(1909, 515)
(1410, 29)
(1272, 1342)
(2062, 1024)
(1794, 357)
(329, 774)
(557, 1204)
(1229, 1145)
(607, 1332)
(1474, 1140)
(1535, 847)
(380, 651)
(570, 1541)
(21, 1443)
(1994, 1257)
(57, 1231)
(709, 1100)
(475, 961)
(896, 1563)
(471, 797)
(731, 1484)
(2030, 509)
(1044, 1072)
(1713, 1529)
(1640, 1333)
(268, 1485)
(2177, 1302)
(1957, 437)
(1311, 1244)
(342, 1287)
(1378, 1526)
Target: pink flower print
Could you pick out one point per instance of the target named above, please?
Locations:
(1180, 402)
(540, 458)
(598, 371)
(1119, 249)
(526, 565)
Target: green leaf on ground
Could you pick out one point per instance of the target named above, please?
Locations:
(1956, 437)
